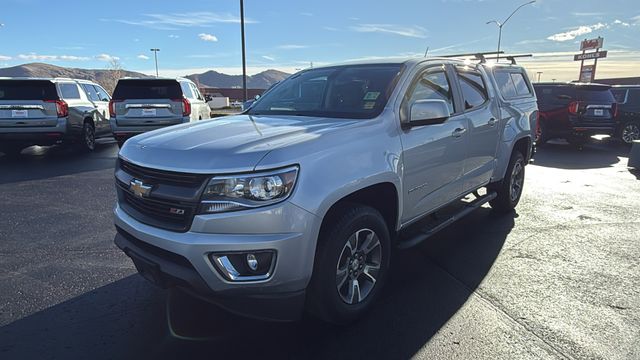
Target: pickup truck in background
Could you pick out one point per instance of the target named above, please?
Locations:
(297, 203)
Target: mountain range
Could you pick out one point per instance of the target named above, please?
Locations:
(105, 76)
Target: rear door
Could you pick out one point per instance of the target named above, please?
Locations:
(148, 102)
(481, 110)
(27, 103)
(595, 107)
(204, 111)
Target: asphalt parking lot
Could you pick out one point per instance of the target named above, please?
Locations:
(560, 278)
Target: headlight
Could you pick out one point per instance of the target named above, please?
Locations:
(239, 192)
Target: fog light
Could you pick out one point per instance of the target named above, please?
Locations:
(245, 266)
(252, 262)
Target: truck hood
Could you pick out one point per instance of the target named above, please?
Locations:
(228, 144)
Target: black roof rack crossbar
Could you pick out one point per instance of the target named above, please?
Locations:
(511, 58)
(478, 55)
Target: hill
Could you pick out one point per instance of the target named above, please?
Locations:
(219, 80)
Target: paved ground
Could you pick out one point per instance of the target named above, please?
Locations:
(558, 279)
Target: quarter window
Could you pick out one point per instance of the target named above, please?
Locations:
(520, 83)
(91, 92)
(512, 84)
(69, 91)
(474, 91)
(433, 85)
(186, 90)
(102, 93)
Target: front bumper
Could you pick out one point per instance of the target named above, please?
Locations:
(183, 259)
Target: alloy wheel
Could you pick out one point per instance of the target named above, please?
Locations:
(89, 137)
(517, 180)
(630, 133)
(358, 266)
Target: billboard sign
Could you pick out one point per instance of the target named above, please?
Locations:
(586, 74)
(590, 56)
(590, 44)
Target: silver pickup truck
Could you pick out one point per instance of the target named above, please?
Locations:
(297, 203)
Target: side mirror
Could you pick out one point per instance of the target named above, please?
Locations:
(425, 112)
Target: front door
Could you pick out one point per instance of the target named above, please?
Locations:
(433, 155)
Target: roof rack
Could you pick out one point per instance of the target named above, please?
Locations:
(477, 55)
(511, 58)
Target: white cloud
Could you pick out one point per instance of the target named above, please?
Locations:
(143, 57)
(330, 28)
(292, 47)
(175, 21)
(636, 19)
(4, 58)
(408, 31)
(207, 37)
(619, 22)
(572, 34)
(106, 57)
(39, 57)
(587, 14)
(174, 36)
(306, 14)
(270, 58)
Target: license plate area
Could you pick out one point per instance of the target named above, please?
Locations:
(149, 112)
(598, 112)
(19, 113)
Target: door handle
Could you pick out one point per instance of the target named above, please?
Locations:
(458, 132)
(492, 121)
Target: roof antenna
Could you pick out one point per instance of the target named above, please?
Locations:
(426, 52)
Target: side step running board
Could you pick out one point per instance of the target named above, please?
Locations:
(427, 232)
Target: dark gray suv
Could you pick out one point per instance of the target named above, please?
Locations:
(43, 111)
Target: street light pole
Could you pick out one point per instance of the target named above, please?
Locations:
(155, 55)
(244, 56)
(539, 73)
(501, 24)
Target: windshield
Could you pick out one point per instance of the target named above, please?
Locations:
(356, 91)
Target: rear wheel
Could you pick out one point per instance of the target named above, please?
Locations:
(509, 190)
(88, 137)
(630, 132)
(351, 265)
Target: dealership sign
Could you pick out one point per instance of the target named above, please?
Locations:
(590, 56)
(590, 44)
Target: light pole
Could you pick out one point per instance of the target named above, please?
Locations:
(539, 73)
(244, 56)
(155, 55)
(501, 24)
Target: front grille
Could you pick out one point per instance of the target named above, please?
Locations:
(161, 176)
(172, 203)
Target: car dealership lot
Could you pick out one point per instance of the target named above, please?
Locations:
(560, 278)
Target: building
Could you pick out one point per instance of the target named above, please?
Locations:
(234, 94)
(619, 81)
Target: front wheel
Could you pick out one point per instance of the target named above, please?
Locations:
(509, 190)
(630, 132)
(351, 265)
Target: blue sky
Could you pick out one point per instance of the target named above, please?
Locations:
(195, 36)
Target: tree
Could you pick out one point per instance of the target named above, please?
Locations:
(112, 75)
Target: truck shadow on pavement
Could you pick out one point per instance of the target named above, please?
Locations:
(129, 318)
(41, 162)
(593, 155)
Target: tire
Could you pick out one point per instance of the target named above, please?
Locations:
(629, 132)
(332, 295)
(541, 135)
(509, 190)
(88, 137)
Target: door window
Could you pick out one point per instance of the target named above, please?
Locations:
(474, 91)
(432, 85)
(69, 91)
(196, 92)
(102, 93)
(186, 90)
(91, 92)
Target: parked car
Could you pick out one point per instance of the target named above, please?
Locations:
(47, 111)
(628, 124)
(297, 203)
(574, 111)
(144, 104)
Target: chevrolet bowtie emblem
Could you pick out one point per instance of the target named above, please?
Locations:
(139, 189)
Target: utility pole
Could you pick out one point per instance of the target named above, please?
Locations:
(501, 24)
(539, 73)
(244, 55)
(155, 55)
